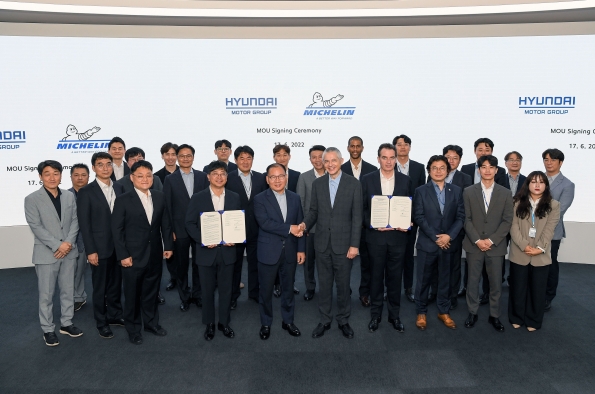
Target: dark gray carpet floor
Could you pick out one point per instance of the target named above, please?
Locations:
(559, 358)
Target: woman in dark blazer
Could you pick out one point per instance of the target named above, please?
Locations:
(535, 217)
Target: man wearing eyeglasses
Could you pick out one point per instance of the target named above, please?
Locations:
(223, 151)
(514, 179)
(95, 203)
(133, 155)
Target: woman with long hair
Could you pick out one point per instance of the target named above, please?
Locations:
(535, 217)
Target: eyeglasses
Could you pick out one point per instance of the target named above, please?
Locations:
(514, 160)
(218, 174)
(441, 169)
(223, 149)
(103, 165)
(279, 177)
(184, 157)
(141, 177)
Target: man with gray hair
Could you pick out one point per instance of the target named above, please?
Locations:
(336, 208)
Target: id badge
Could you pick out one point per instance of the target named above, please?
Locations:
(532, 232)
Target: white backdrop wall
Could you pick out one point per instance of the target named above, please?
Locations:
(438, 91)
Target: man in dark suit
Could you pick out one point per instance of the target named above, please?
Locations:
(336, 207)
(280, 246)
(416, 172)
(169, 156)
(117, 148)
(386, 246)
(179, 189)
(133, 155)
(223, 151)
(514, 179)
(95, 206)
(215, 262)
(247, 184)
(357, 168)
(142, 237)
(79, 175)
(439, 211)
(488, 218)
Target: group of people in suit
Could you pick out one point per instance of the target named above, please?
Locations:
(129, 219)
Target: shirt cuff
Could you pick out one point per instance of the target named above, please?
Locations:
(542, 249)
(491, 241)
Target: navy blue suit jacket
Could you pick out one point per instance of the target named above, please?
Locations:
(259, 184)
(231, 166)
(274, 233)
(522, 179)
(177, 199)
(371, 187)
(426, 213)
(202, 202)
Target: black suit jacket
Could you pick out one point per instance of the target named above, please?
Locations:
(177, 199)
(259, 184)
(371, 187)
(522, 179)
(95, 218)
(341, 224)
(134, 236)
(459, 179)
(500, 177)
(230, 167)
(293, 179)
(126, 171)
(417, 173)
(202, 202)
(427, 215)
(366, 168)
(163, 173)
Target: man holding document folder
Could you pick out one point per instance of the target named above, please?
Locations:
(387, 219)
(214, 221)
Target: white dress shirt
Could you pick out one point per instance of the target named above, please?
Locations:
(356, 170)
(387, 184)
(119, 170)
(218, 201)
(487, 194)
(108, 192)
(147, 203)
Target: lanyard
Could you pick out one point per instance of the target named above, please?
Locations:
(532, 218)
(485, 200)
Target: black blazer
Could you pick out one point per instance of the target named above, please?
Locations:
(95, 219)
(522, 179)
(126, 171)
(293, 179)
(163, 173)
(128, 186)
(230, 167)
(371, 187)
(134, 236)
(202, 202)
(273, 235)
(177, 199)
(340, 223)
(500, 177)
(459, 179)
(417, 173)
(426, 213)
(259, 184)
(366, 168)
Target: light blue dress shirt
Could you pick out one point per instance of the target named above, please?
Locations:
(282, 200)
(188, 181)
(333, 185)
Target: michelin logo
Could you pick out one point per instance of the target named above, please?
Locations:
(317, 108)
(77, 145)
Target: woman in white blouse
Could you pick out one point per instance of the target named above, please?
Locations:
(535, 217)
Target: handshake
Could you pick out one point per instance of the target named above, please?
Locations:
(298, 229)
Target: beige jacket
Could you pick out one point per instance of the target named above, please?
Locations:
(519, 233)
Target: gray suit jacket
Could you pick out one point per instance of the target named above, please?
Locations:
(495, 224)
(49, 231)
(562, 190)
(304, 189)
(128, 186)
(341, 223)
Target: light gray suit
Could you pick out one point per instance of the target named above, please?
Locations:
(50, 231)
(81, 265)
(304, 189)
(493, 225)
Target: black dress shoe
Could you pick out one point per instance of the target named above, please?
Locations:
(308, 295)
(234, 304)
(397, 325)
(431, 298)
(156, 330)
(105, 332)
(210, 332)
(320, 329)
(471, 320)
(484, 299)
(160, 299)
(196, 301)
(170, 286)
(265, 332)
(462, 292)
(409, 295)
(296, 290)
(116, 322)
(373, 325)
(136, 339)
(277, 291)
(184, 306)
(346, 330)
(494, 321)
(548, 305)
(226, 330)
(365, 300)
(291, 329)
